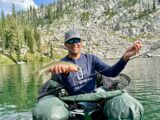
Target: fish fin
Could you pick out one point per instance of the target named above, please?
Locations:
(36, 74)
(47, 72)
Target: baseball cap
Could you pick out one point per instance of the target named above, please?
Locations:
(72, 33)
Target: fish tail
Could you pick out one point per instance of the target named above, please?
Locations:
(37, 74)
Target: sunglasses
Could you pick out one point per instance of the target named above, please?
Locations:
(73, 41)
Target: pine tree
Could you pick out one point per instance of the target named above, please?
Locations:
(34, 17)
(49, 14)
(3, 22)
(29, 37)
(13, 11)
(37, 39)
(54, 12)
(154, 5)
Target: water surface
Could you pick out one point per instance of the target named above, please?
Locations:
(19, 88)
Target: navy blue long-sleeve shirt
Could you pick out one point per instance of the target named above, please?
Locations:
(88, 64)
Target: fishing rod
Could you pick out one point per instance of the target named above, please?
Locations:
(154, 47)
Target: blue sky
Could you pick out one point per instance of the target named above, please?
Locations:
(39, 2)
(6, 5)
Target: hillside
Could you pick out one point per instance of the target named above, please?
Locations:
(107, 27)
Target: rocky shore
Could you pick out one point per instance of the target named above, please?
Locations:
(105, 44)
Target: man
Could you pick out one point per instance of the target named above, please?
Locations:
(72, 79)
(88, 63)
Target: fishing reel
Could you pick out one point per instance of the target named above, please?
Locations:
(62, 93)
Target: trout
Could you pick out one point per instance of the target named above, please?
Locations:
(52, 64)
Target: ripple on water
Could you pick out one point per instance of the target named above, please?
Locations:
(17, 116)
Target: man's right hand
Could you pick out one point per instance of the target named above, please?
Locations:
(63, 69)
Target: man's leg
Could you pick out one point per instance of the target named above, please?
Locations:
(123, 107)
(50, 108)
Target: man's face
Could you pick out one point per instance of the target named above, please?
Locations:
(74, 46)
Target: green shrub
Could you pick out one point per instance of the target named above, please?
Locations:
(85, 16)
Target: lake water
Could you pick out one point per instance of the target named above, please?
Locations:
(19, 89)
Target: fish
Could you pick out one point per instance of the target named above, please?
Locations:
(45, 69)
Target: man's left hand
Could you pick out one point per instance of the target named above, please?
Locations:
(133, 50)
